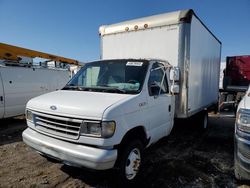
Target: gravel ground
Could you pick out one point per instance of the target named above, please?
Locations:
(187, 158)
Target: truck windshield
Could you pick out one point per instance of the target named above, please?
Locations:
(114, 76)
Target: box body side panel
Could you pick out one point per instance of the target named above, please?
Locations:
(204, 68)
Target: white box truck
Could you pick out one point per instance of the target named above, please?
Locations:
(153, 70)
(18, 84)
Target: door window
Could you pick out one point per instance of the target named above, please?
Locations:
(157, 83)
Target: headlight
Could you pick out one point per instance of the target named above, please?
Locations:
(243, 120)
(29, 115)
(108, 129)
(91, 128)
(105, 129)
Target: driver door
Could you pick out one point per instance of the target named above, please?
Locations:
(161, 104)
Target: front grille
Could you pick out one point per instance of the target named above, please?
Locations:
(57, 125)
(244, 128)
(243, 150)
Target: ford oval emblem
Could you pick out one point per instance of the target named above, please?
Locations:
(53, 107)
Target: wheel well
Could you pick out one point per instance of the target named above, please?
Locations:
(135, 133)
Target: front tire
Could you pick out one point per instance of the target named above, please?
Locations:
(130, 161)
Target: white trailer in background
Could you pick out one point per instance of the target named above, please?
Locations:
(153, 70)
(18, 84)
(26, 73)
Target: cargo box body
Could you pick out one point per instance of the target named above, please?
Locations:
(179, 38)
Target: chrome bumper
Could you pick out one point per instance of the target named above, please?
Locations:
(70, 153)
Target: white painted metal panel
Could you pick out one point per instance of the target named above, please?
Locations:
(160, 43)
(203, 78)
(21, 84)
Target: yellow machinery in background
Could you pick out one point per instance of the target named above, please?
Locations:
(9, 52)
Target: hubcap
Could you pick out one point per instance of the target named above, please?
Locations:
(133, 164)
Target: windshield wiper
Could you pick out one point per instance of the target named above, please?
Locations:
(109, 88)
(113, 88)
(117, 89)
(72, 87)
(98, 88)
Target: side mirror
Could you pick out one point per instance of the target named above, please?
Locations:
(174, 74)
(175, 89)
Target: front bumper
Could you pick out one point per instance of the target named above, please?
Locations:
(71, 153)
(242, 155)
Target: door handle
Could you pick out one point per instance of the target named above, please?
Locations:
(1, 98)
(169, 108)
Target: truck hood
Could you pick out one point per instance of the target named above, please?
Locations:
(82, 104)
(245, 102)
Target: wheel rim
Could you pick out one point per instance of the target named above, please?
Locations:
(133, 164)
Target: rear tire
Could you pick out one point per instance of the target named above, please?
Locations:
(129, 162)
